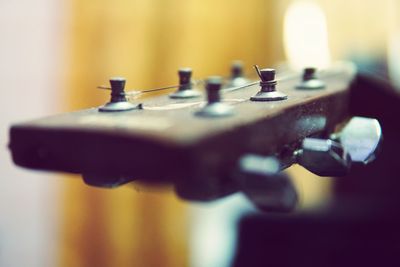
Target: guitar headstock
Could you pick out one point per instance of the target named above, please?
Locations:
(192, 138)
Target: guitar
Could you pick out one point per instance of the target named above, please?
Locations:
(237, 134)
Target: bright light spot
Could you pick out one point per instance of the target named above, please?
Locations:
(306, 36)
(214, 230)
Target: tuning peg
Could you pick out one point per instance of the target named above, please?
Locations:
(268, 90)
(260, 180)
(118, 100)
(237, 78)
(358, 142)
(185, 85)
(362, 138)
(324, 157)
(310, 80)
(214, 106)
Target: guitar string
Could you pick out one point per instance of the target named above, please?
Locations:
(136, 93)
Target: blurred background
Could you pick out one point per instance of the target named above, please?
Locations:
(53, 54)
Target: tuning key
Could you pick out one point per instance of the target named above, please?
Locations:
(310, 80)
(358, 142)
(324, 157)
(185, 85)
(237, 77)
(262, 182)
(214, 106)
(268, 90)
(118, 100)
(362, 138)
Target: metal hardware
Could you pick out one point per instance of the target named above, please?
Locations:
(118, 100)
(310, 80)
(324, 157)
(262, 182)
(237, 78)
(362, 138)
(214, 106)
(185, 85)
(268, 83)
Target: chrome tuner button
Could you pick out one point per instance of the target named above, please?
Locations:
(358, 142)
(268, 90)
(260, 179)
(310, 80)
(118, 100)
(324, 157)
(362, 138)
(214, 107)
(185, 89)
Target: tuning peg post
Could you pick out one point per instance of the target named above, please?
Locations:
(310, 80)
(237, 77)
(185, 89)
(214, 107)
(118, 100)
(268, 90)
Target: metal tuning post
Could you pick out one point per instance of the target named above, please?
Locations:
(214, 108)
(118, 100)
(310, 80)
(358, 142)
(185, 89)
(268, 83)
(262, 182)
(237, 78)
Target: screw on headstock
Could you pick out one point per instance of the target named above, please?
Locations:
(310, 80)
(118, 101)
(268, 83)
(214, 106)
(185, 85)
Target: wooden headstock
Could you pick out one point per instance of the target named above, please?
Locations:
(167, 139)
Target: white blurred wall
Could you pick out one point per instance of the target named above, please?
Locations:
(31, 35)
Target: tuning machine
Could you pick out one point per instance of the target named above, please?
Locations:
(260, 179)
(362, 138)
(237, 78)
(268, 83)
(214, 108)
(118, 100)
(358, 142)
(310, 80)
(185, 89)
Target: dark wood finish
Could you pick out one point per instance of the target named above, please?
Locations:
(164, 143)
